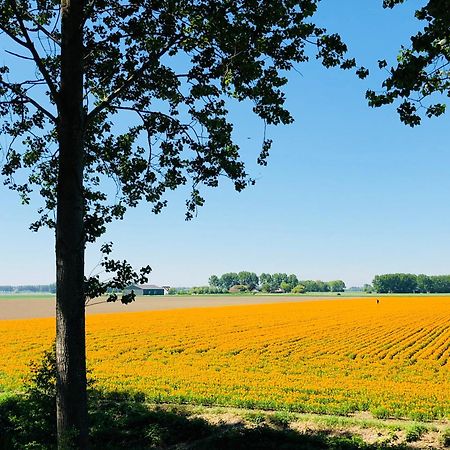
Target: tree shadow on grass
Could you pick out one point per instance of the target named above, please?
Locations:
(122, 421)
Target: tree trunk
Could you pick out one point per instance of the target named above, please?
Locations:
(71, 398)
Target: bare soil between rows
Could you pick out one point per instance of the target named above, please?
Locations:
(38, 307)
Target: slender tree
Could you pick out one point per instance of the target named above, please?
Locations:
(109, 103)
(214, 281)
(249, 279)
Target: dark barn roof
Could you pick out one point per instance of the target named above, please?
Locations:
(149, 286)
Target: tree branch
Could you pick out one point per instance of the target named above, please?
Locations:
(16, 90)
(13, 37)
(44, 30)
(128, 83)
(33, 51)
(28, 58)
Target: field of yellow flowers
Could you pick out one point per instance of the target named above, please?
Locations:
(337, 357)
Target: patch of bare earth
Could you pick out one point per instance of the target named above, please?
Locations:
(386, 434)
(430, 440)
(39, 308)
(370, 435)
(227, 419)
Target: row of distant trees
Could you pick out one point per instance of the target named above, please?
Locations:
(276, 282)
(197, 290)
(407, 283)
(38, 288)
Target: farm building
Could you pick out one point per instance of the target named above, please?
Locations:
(146, 289)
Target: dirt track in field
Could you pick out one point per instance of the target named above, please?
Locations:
(36, 307)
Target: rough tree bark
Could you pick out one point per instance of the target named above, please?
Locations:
(71, 399)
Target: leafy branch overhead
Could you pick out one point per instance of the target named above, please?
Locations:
(124, 275)
(158, 81)
(421, 79)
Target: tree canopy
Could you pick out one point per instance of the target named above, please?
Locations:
(410, 283)
(420, 81)
(165, 68)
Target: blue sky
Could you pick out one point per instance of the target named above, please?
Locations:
(349, 191)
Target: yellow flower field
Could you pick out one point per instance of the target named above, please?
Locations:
(339, 356)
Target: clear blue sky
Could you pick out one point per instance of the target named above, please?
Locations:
(349, 191)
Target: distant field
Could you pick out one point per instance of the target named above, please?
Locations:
(31, 296)
(23, 307)
(333, 357)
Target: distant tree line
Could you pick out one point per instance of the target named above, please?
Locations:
(230, 279)
(38, 288)
(408, 283)
(197, 290)
(276, 282)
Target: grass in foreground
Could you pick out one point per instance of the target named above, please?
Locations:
(121, 421)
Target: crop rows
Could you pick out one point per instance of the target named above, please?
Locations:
(340, 356)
